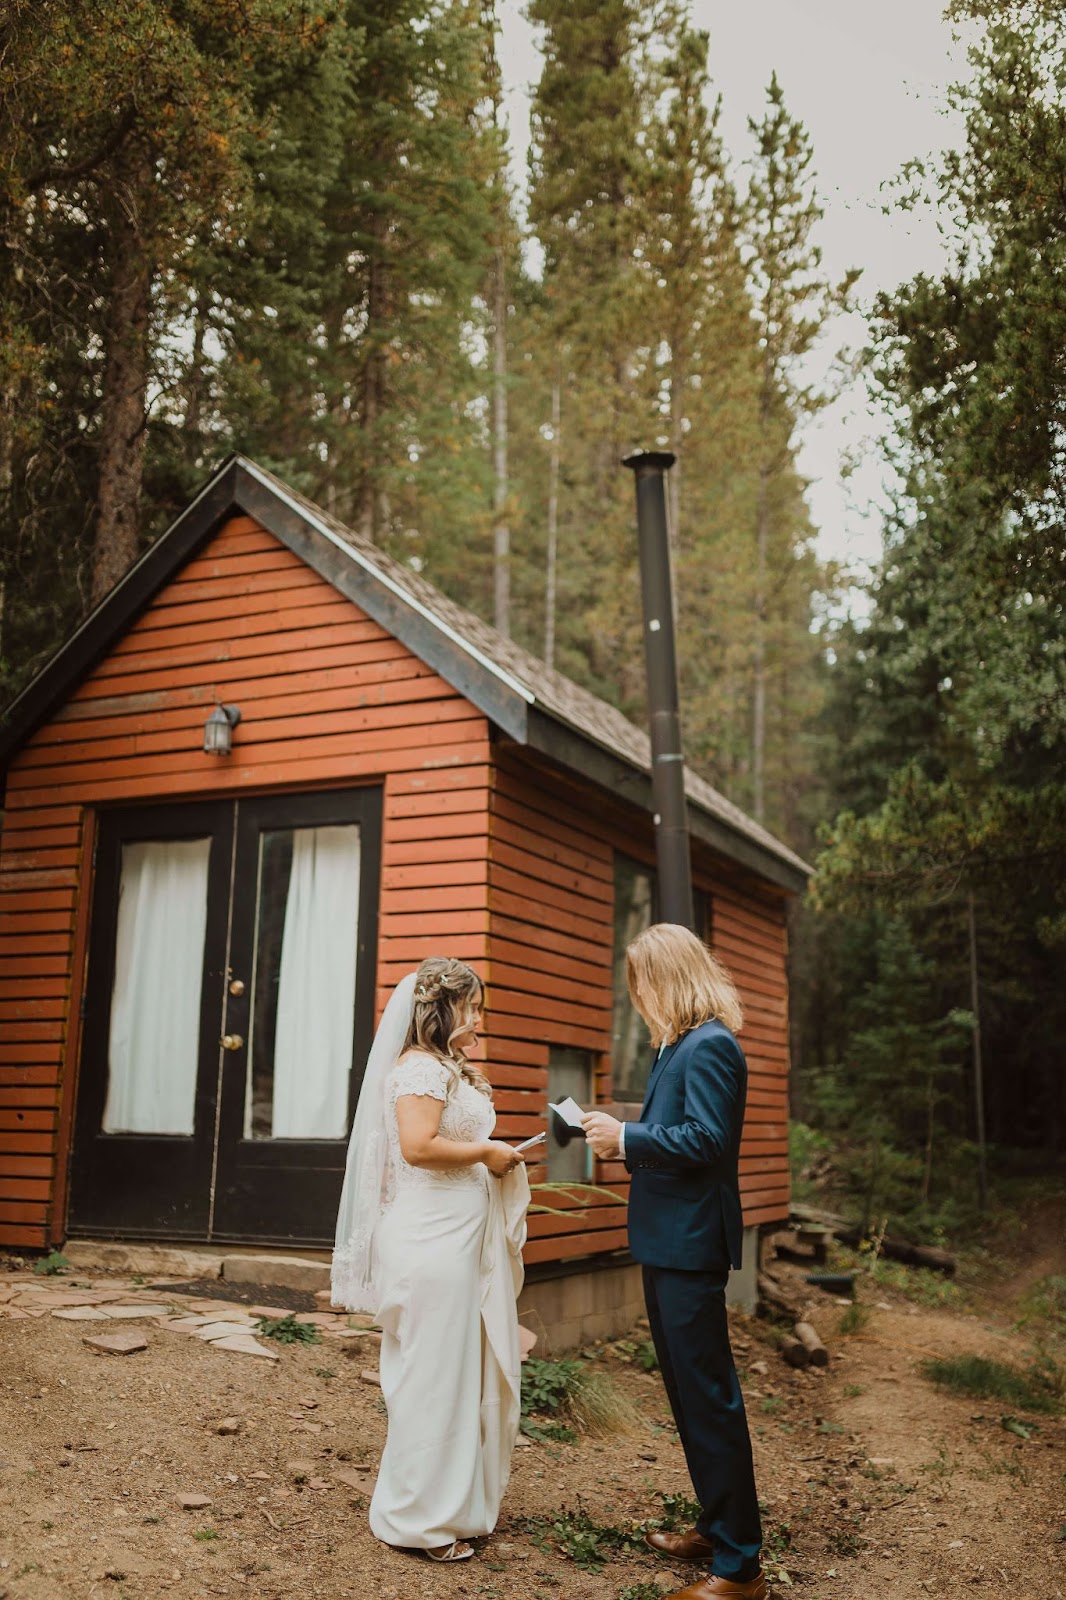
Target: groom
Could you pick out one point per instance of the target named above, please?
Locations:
(685, 1228)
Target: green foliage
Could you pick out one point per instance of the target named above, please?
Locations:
(679, 1511)
(641, 1591)
(1040, 1388)
(1044, 1303)
(51, 1265)
(588, 1544)
(854, 1318)
(946, 704)
(286, 1330)
(546, 1389)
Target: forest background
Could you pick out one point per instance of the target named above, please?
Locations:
(289, 229)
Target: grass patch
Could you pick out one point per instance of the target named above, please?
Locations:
(1037, 1389)
(205, 1535)
(853, 1318)
(286, 1330)
(51, 1265)
(641, 1591)
(561, 1396)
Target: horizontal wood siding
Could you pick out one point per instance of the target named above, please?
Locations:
(551, 883)
(551, 899)
(328, 699)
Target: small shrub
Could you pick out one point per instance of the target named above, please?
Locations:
(978, 1378)
(558, 1395)
(1044, 1302)
(286, 1330)
(679, 1511)
(51, 1265)
(205, 1534)
(588, 1544)
(641, 1591)
(853, 1318)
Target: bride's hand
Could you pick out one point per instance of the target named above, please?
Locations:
(500, 1158)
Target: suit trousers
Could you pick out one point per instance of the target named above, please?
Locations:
(687, 1314)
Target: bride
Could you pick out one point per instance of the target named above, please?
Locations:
(429, 1239)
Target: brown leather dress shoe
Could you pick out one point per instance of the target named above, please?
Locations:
(688, 1546)
(724, 1589)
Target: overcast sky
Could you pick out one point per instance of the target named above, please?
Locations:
(869, 82)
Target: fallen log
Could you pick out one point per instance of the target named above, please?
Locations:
(808, 1338)
(775, 1300)
(795, 1352)
(912, 1255)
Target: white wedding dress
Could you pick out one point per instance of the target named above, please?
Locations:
(449, 1252)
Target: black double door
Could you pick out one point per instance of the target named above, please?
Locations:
(228, 1011)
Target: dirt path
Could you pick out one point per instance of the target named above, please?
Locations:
(874, 1483)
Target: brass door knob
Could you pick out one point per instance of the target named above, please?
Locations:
(232, 1041)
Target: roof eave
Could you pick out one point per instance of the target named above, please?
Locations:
(574, 750)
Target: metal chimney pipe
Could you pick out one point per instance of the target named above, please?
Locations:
(668, 762)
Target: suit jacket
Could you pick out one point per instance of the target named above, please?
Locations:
(684, 1203)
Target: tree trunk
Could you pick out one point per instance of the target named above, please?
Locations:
(372, 504)
(758, 716)
(501, 533)
(553, 532)
(122, 417)
(978, 1072)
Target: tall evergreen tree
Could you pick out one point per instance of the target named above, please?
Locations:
(793, 301)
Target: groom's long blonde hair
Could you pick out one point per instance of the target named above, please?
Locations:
(677, 984)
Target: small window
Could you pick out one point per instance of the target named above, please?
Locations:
(569, 1073)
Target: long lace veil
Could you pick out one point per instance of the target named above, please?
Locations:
(365, 1193)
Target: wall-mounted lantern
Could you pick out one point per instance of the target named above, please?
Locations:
(218, 730)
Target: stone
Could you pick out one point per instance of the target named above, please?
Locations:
(366, 1376)
(227, 1426)
(194, 1502)
(288, 1272)
(299, 1467)
(123, 1343)
(244, 1344)
(81, 1314)
(351, 1477)
(758, 1366)
(133, 1313)
(319, 1484)
(223, 1330)
(309, 1402)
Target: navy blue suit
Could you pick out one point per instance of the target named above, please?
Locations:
(685, 1228)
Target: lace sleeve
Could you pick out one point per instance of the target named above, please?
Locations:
(420, 1074)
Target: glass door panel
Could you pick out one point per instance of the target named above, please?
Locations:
(154, 1034)
(148, 1075)
(303, 983)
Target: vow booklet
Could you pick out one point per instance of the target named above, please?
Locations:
(569, 1110)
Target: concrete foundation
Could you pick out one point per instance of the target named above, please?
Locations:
(568, 1311)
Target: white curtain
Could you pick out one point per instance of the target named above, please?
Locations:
(154, 1045)
(316, 987)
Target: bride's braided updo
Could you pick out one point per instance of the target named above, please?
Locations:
(446, 993)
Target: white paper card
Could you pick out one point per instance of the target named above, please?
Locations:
(569, 1110)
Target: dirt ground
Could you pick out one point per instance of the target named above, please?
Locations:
(873, 1482)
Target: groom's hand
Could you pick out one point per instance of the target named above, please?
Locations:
(602, 1132)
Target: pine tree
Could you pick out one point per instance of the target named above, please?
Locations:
(793, 301)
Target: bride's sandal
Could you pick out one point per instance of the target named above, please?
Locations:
(456, 1551)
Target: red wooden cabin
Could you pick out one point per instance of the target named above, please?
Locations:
(194, 947)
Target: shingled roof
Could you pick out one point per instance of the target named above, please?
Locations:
(528, 700)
